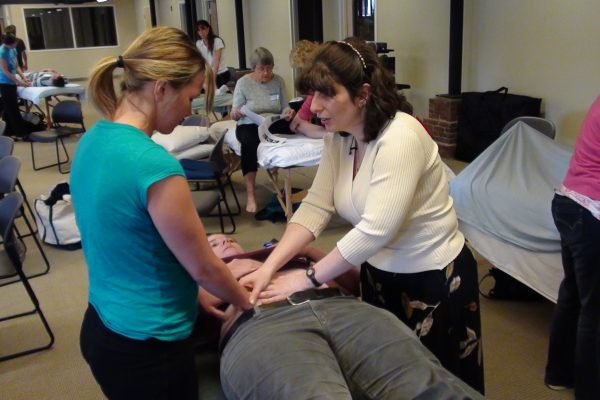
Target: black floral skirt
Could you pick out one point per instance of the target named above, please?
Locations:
(441, 306)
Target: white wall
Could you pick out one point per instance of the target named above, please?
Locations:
(76, 63)
(418, 33)
(543, 48)
(167, 13)
(143, 17)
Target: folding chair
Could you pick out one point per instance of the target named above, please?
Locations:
(542, 125)
(216, 170)
(9, 171)
(65, 114)
(9, 207)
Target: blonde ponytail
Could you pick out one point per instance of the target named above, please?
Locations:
(161, 53)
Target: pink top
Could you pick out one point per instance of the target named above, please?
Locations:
(584, 169)
(304, 112)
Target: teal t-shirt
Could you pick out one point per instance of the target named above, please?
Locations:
(10, 56)
(136, 284)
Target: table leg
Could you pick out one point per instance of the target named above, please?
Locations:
(48, 117)
(287, 182)
(273, 177)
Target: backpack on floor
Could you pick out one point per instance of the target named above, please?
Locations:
(55, 218)
(508, 288)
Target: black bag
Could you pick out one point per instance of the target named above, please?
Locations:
(273, 211)
(484, 114)
(508, 288)
(35, 121)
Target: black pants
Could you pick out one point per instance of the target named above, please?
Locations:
(137, 369)
(441, 306)
(247, 135)
(223, 78)
(15, 124)
(574, 350)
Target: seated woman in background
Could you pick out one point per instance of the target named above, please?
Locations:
(300, 56)
(261, 91)
(46, 77)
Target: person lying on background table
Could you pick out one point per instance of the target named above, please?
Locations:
(381, 171)
(46, 77)
(321, 343)
(261, 92)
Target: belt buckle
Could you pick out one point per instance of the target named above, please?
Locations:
(293, 302)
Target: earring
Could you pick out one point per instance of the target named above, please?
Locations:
(362, 104)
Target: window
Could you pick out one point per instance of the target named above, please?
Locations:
(70, 27)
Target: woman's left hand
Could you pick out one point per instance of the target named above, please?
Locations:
(284, 284)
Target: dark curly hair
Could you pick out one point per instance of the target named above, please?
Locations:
(352, 63)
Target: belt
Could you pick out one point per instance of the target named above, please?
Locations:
(294, 299)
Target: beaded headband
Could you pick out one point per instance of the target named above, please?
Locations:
(362, 60)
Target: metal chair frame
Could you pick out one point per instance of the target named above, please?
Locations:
(65, 112)
(542, 125)
(9, 171)
(214, 170)
(9, 207)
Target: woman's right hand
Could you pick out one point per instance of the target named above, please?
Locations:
(257, 281)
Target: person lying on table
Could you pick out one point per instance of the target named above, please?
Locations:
(46, 77)
(321, 343)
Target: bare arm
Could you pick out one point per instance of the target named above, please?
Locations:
(216, 62)
(183, 232)
(306, 128)
(294, 239)
(11, 76)
(25, 63)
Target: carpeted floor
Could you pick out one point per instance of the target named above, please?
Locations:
(515, 334)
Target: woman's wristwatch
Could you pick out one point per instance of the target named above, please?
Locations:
(310, 272)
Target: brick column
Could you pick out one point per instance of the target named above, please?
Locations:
(442, 123)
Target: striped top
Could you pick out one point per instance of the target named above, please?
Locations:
(398, 203)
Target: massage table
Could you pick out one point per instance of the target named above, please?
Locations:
(34, 96)
(503, 202)
(297, 151)
(222, 102)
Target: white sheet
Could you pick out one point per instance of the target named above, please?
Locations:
(182, 137)
(542, 272)
(198, 152)
(508, 189)
(296, 151)
(37, 94)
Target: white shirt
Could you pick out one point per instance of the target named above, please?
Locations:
(208, 56)
(398, 202)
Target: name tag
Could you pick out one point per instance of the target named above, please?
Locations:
(274, 97)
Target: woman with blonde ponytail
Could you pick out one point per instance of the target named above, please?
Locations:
(143, 241)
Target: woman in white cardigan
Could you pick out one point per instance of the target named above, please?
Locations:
(381, 171)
